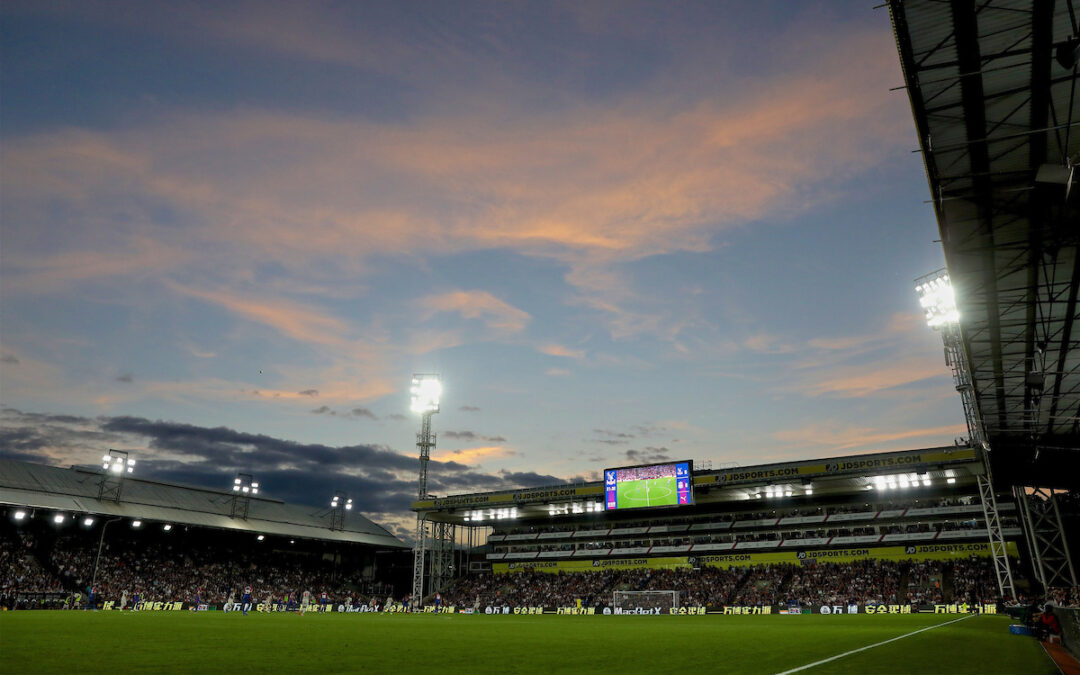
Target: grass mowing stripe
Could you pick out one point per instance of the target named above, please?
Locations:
(876, 644)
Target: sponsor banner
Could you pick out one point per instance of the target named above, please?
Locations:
(964, 608)
(112, 605)
(730, 609)
(840, 465)
(726, 561)
(517, 497)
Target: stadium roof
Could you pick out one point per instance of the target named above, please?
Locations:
(830, 477)
(75, 490)
(993, 89)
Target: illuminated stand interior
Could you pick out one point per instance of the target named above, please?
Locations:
(938, 300)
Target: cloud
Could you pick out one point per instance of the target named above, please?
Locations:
(469, 408)
(499, 317)
(126, 378)
(469, 455)
(552, 349)
(557, 372)
(838, 436)
(8, 358)
(397, 417)
(863, 380)
(308, 392)
(363, 412)
(648, 455)
(382, 480)
(323, 410)
(471, 436)
(289, 318)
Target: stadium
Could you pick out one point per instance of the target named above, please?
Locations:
(965, 555)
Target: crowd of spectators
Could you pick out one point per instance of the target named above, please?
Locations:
(60, 572)
(810, 585)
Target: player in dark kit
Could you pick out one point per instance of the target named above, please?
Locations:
(246, 600)
(323, 600)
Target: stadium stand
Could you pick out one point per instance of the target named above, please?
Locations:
(188, 543)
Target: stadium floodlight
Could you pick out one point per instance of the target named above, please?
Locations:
(426, 390)
(20, 514)
(167, 527)
(136, 524)
(950, 481)
(58, 518)
(88, 521)
(117, 461)
(938, 300)
(254, 488)
(809, 491)
(261, 537)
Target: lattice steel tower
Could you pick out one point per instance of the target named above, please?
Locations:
(939, 302)
(425, 392)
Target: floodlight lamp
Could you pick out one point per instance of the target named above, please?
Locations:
(131, 469)
(938, 301)
(87, 521)
(261, 537)
(58, 518)
(19, 515)
(167, 527)
(809, 491)
(106, 458)
(254, 491)
(236, 481)
(136, 523)
(348, 506)
(236, 488)
(426, 391)
(245, 489)
(950, 481)
(254, 485)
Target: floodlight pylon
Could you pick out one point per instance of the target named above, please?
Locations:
(115, 465)
(426, 391)
(243, 487)
(937, 297)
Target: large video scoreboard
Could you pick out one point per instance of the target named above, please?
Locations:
(649, 486)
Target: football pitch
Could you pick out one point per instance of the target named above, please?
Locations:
(647, 492)
(111, 642)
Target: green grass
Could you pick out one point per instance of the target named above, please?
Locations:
(107, 642)
(648, 492)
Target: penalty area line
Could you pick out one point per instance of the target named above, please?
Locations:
(876, 644)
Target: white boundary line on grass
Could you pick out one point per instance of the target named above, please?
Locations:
(876, 644)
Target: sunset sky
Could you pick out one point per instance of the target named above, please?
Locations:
(621, 232)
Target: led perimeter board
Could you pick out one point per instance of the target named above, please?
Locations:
(649, 486)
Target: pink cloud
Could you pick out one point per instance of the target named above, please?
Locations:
(500, 317)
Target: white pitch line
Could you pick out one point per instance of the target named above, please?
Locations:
(876, 644)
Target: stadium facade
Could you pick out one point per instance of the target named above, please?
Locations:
(912, 505)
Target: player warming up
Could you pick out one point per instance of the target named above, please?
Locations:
(246, 599)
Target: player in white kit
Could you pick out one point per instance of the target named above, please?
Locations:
(305, 602)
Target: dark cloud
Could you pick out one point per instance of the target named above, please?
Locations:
(612, 434)
(607, 441)
(363, 412)
(8, 358)
(469, 408)
(126, 378)
(308, 392)
(397, 417)
(323, 410)
(648, 455)
(381, 480)
(471, 436)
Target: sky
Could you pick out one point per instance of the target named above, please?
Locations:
(621, 232)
